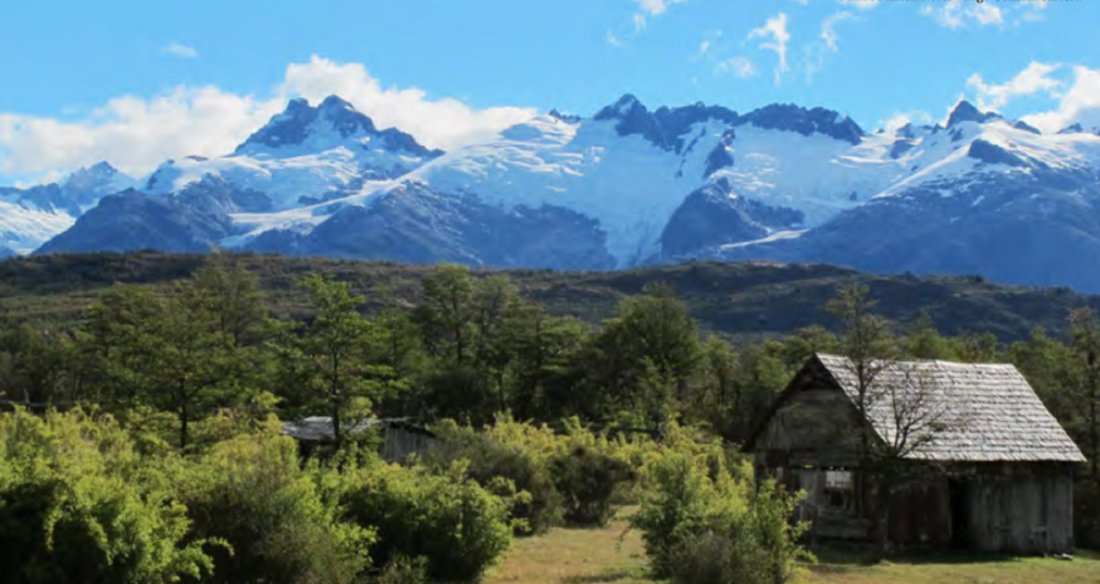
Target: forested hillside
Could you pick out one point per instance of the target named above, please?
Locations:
(740, 300)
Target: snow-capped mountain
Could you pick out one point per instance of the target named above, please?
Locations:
(621, 177)
(984, 196)
(630, 185)
(304, 155)
(30, 217)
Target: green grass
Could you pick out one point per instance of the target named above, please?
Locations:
(575, 556)
(614, 554)
(954, 568)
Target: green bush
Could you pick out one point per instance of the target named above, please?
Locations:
(77, 506)
(458, 527)
(588, 471)
(251, 492)
(512, 460)
(704, 522)
(402, 570)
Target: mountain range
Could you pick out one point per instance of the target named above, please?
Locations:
(627, 186)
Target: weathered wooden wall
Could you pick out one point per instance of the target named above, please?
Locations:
(814, 426)
(920, 513)
(399, 443)
(1023, 509)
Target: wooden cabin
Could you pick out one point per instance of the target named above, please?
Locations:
(400, 438)
(992, 469)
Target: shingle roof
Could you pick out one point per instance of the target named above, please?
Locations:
(970, 412)
(319, 428)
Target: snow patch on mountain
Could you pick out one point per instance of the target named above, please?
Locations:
(304, 155)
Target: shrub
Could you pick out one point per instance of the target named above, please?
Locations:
(458, 527)
(402, 570)
(77, 506)
(512, 460)
(587, 473)
(707, 523)
(251, 492)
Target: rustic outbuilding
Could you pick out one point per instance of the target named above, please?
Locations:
(992, 468)
(401, 438)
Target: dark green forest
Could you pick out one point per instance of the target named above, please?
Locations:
(141, 440)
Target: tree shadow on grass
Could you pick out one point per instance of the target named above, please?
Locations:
(614, 575)
(844, 557)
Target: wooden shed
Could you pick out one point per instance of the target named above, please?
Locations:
(400, 437)
(993, 468)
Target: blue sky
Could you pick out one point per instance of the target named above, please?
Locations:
(137, 82)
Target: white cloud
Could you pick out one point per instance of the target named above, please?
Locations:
(136, 133)
(1035, 78)
(703, 48)
(955, 14)
(442, 123)
(1079, 104)
(657, 7)
(860, 4)
(651, 8)
(739, 67)
(828, 29)
(613, 40)
(180, 50)
(900, 119)
(775, 29)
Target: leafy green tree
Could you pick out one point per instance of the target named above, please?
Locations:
(455, 525)
(548, 367)
(281, 523)
(446, 313)
(652, 338)
(977, 348)
(500, 317)
(232, 294)
(761, 375)
(1085, 331)
(165, 351)
(1052, 369)
(925, 342)
(704, 522)
(78, 505)
(337, 353)
(33, 364)
(804, 343)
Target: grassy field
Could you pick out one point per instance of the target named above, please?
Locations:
(576, 556)
(614, 555)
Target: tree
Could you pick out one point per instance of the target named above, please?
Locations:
(499, 316)
(164, 351)
(1085, 331)
(446, 313)
(548, 366)
(925, 342)
(869, 349)
(77, 504)
(652, 338)
(866, 342)
(33, 364)
(337, 351)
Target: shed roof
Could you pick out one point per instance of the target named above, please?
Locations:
(319, 428)
(978, 412)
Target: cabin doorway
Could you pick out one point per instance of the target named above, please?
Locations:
(960, 513)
